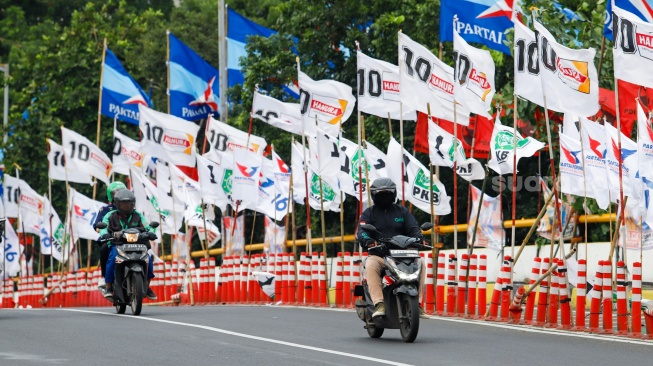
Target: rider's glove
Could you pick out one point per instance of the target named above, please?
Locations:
(117, 235)
(370, 243)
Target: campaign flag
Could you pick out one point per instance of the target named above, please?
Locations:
(246, 174)
(266, 281)
(179, 250)
(224, 138)
(417, 181)
(167, 137)
(239, 28)
(376, 159)
(644, 143)
(169, 188)
(330, 102)
(273, 188)
(473, 77)
(11, 188)
(31, 209)
(427, 81)
(84, 212)
(327, 148)
(121, 95)
(546, 225)
(643, 9)
(86, 155)
(195, 217)
(193, 83)
(479, 21)
(216, 181)
(569, 76)
(355, 171)
(571, 126)
(572, 180)
(489, 233)
(628, 159)
(10, 252)
(595, 150)
(126, 153)
(378, 89)
(633, 50)
(329, 195)
(274, 241)
(528, 83)
(502, 148)
(477, 133)
(441, 153)
(147, 201)
(286, 116)
(234, 235)
(51, 234)
(59, 170)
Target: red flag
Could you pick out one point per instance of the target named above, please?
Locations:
(478, 125)
(628, 92)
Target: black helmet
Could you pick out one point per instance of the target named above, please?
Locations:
(125, 201)
(384, 191)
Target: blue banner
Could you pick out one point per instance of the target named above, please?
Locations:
(194, 84)
(120, 93)
(642, 8)
(479, 21)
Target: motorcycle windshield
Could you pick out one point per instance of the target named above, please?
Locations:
(402, 242)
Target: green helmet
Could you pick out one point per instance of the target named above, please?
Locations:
(113, 187)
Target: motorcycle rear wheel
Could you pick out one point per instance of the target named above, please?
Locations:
(137, 294)
(409, 324)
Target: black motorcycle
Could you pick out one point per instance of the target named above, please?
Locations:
(403, 269)
(130, 285)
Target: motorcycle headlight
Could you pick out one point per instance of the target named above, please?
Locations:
(403, 276)
(131, 237)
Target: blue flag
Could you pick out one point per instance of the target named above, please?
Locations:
(479, 21)
(193, 83)
(642, 8)
(239, 29)
(120, 93)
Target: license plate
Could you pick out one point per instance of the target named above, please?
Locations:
(133, 247)
(404, 253)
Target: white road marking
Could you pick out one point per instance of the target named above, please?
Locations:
(248, 336)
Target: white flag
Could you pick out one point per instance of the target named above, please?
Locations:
(528, 83)
(275, 237)
(234, 235)
(273, 189)
(147, 202)
(416, 181)
(569, 76)
(170, 188)
(329, 195)
(59, 170)
(86, 155)
(378, 89)
(126, 152)
(286, 116)
(11, 195)
(502, 147)
(84, 212)
(627, 158)
(354, 169)
(633, 48)
(376, 159)
(329, 101)
(441, 152)
(571, 126)
(224, 138)
(427, 80)
(473, 76)
(327, 149)
(571, 167)
(595, 150)
(216, 181)
(167, 137)
(645, 155)
(489, 233)
(51, 235)
(11, 250)
(194, 217)
(31, 209)
(246, 174)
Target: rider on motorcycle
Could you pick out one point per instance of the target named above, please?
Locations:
(391, 220)
(112, 188)
(122, 218)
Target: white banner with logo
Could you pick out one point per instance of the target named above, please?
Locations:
(167, 137)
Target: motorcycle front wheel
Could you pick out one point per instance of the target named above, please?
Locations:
(374, 332)
(409, 318)
(120, 309)
(136, 294)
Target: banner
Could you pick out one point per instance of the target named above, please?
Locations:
(545, 227)
(569, 76)
(489, 233)
(286, 116)
(10, 253)
(378, 89)
(429, 80)
(224, 138)
(441, 153)
(84, 212)
(59, 170)
(633, 48)
(474, 77)
(275, 237)
(193, 83)
(86, 155)
(234, 235)
(502, 147)
(126, 153)
(416, 181)
(121, 95)
(167, 137)
(643, 9)
(329, 102)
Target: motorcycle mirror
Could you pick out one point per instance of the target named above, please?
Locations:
(427, 226)
(372, 230)
(154, 224)
(101, 225)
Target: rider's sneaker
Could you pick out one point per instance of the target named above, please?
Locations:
(422, 314)
(150, 294)
(102, 284)
(379, 310)
(107, 292)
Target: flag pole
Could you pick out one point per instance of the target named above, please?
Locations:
(469, 186)
(19, 224)
(514, 180)
(309, 242)
(222, 60)
(582, 152)
(401, 141)
(168, 67)
(428, 109)
(622, 205)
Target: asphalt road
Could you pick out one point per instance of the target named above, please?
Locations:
(266, 335)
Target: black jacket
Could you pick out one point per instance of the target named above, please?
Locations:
(394, 220)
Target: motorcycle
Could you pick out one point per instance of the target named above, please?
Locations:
(403, 269)
(130, 285)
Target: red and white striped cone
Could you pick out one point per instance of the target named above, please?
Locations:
(482, 286)
(451, 286)
(324, 289)
(292, 282)
(462, 285)
(581, 295)
(607, 298)
(202, 299)
(346, 281)
(565, 299)
(530, 301)
(496, 297)
(357, 268)
(339, 262)
(648, 319)
(222, 282)
(440, 284)
(229, 267)
(98, 299)
(595, 302)
(554, 298)
(506, 289)
(471, 291)
(302, 278)
(240, 289)
(315, 279)
(429, 290)
(622, 305)
(515, 306)
(174, 275)
(86, 278)
(542, 299)
(253, 288)
(286, 278)
(212, 281)
(167, 266)
(636, 305)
